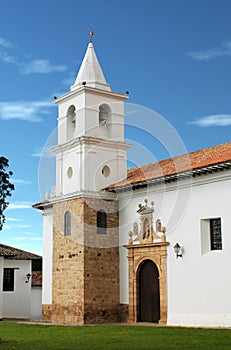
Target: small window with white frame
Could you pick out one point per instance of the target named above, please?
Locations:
(211, 234)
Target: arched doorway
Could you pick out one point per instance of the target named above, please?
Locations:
(149, 293)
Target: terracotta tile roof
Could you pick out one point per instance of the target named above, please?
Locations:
(177, 165)
(40, 205)
(18, 254)
(36, 280)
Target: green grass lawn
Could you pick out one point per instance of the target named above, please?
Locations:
(16, 336)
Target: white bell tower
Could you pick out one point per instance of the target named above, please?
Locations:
(91, 153)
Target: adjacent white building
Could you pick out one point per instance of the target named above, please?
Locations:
(21, 287)
(174, 254)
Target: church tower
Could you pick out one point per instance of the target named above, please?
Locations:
(91, 154)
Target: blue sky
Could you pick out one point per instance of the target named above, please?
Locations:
(173, 56)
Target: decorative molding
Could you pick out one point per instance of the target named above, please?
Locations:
(90, 141)
(93, 91)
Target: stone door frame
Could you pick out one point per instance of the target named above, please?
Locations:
(137, 254)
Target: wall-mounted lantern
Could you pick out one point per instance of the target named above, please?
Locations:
(178, 250)
(28, 276)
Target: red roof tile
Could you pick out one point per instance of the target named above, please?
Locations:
(40, 205)
(17, 254)
(180, 164)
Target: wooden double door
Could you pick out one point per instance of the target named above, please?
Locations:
(149, 292)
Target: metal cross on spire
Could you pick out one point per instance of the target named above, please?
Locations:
(91, 32)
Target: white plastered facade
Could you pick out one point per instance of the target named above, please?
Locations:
(198, 284)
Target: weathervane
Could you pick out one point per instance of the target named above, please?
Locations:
(91, 32)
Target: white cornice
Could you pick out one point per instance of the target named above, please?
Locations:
(80, 194)
(94, 91)
(161, 187)
(90, 141)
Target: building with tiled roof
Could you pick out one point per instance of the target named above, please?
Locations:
(148, 244)
(17, 254)
(21, 280)
(195, 163)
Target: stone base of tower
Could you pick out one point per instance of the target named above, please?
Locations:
(104, 315)
(72, 314)
(67, 314)
(46, 312)
(99, 299)
(85, 286)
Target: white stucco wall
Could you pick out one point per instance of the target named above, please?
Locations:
(79, 165)
(16, 304)
(198, 285)
(47, 256)
(87, 103)
(36, 303)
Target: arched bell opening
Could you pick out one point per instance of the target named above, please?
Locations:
(71, 122)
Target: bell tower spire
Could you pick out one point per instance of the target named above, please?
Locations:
(90, 72)
(91, 152)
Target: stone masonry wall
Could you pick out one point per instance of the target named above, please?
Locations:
(46, 312)
(68, 264)
(86, 264)
(101, 264)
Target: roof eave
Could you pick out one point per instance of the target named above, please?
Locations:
(172, 177)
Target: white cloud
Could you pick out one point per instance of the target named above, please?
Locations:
(43, 152)
(15, 226)
(22, 226)
(20, 182)
(22, 238)
(30, 111)
(223, 50)
(69, 81)
(213, 120)
(41, 66)
(37, 152)
(6, 227)
(5, 58)
(13, 220)
(19, 205)
(5, 43)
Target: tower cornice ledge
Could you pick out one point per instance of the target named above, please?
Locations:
(93, 91)
(89, 140)
(48, 204)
